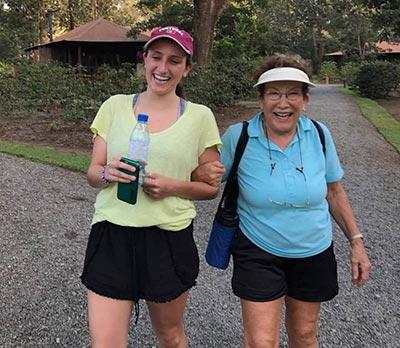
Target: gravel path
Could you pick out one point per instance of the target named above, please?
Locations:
(44, 226)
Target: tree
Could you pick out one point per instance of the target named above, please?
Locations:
(206, 15)
(27, 19)
(354, 30)
(313, 27)
(242, 30)
(19, 27)
(160, 13)
(198, 17)
(302, 26)
(386, 18)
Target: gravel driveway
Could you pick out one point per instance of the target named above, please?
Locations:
(44, 226)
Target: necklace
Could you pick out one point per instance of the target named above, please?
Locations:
(273, 164)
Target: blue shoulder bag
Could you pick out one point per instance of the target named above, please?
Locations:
(226, 219)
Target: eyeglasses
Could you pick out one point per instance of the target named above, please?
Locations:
(306, 204)
(291, 95)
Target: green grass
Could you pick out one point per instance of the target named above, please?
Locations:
(387, 125)
(47, 155)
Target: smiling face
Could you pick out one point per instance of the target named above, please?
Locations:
(282, 103)
(166, 64)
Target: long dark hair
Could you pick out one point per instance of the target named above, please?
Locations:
(180, 90)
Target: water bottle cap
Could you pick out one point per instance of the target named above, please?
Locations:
(143, 118)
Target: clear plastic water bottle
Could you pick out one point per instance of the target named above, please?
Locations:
(139, 144)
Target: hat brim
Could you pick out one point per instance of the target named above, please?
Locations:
(148, 43)
(284, 74)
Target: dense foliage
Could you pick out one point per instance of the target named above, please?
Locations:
(247, 31)
(377, 79)
(246, 28)
(386, 16)
(329, 70)
(27, 87)
(349, 72)
(36, 87)
(221, 83)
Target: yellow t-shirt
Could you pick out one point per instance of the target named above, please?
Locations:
(173, 152)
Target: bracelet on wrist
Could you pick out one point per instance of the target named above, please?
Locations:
(355, 237)
(103, 176)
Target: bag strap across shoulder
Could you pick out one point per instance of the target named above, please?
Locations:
(231, 190)
(241, 145)
(320, 133)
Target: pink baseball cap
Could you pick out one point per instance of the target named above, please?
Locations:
(181, 37)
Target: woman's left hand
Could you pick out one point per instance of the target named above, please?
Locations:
(360, 265)
(156, 186)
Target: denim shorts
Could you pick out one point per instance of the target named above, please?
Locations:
(260, 276)
(149, 263)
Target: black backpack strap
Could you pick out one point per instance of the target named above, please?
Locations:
(321, 134)
(231, 189)
(241, 145)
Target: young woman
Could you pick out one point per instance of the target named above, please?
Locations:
(146, 251)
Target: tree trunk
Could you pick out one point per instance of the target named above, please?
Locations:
(71, 22)
(318, 48)
(94, 9)
(206, 15)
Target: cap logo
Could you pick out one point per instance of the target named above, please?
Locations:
(181, 37)
(172, 30)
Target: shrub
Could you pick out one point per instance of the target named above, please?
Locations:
(220, 83)
(349, 72)
(34, 87)
(6, 69)
(72, 96)
(377, 79)
(8, 93)
(90, 91)
(329, 69)
(62, 90)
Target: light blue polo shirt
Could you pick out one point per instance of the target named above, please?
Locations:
(284, 212)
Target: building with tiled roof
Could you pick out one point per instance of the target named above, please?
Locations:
(382, 50)
(92, 44)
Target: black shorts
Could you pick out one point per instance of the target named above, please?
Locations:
(147, 263)
(260, 276)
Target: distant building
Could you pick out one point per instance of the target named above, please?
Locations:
(382, 50)
(91, 45)
(388, 50)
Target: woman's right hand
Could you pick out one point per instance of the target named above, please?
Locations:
(113, 173)
(100, 173)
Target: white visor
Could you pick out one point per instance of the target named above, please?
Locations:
(284, 74)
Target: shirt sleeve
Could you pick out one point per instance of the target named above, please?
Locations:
(210, 133)
(101, 124)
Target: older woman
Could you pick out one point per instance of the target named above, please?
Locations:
(289, 186)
